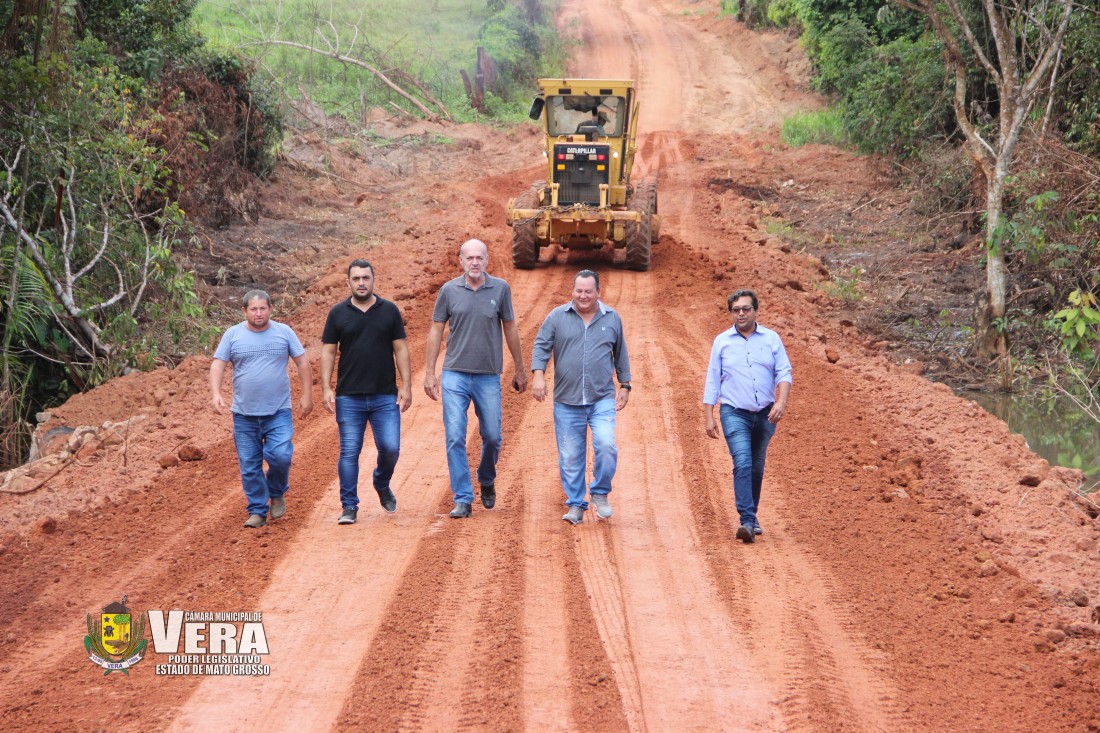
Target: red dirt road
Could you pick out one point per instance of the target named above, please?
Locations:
(920, 568)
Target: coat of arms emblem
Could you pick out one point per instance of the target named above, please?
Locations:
(116, 640)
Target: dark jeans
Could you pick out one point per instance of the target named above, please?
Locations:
(747, 436)
(353, 413)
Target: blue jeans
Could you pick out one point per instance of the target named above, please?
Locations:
(262, 438)
(747, 435)
(571, 426)
(353, 413)
(459, 389)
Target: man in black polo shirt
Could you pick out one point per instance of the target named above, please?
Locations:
(371, 339)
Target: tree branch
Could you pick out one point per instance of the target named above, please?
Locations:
(102, 248)
(354, 62)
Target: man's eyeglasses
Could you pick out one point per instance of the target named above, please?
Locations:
(741, 309)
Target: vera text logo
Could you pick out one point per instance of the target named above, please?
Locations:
(214, 643)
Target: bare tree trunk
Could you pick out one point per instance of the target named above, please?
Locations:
(990, 336)
(1018, 68)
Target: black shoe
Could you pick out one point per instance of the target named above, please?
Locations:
(461, 510)
(488, 496)
(347, 516)
(745, 534)
(756, 530)
(387, 500)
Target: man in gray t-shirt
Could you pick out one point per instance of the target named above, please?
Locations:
(478, 308)
(259, 348)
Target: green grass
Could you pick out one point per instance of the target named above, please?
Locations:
(431, 40)
(778, 228)
(823, 127)
(844, 288)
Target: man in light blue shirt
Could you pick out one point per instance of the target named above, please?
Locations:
(259, 349)
(750, 374)
(585, 339)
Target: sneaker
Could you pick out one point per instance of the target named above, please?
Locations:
(255, 520)
(745, 534)
(461, 510)
(756, 530)
(575, 515)
(278, 507)
(488, 496)
(603, 508)
(347, 516)
(387, 500)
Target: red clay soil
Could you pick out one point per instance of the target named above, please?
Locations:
(920, 568)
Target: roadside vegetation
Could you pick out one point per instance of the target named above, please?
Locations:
(413, 57)
(992, 111)
(129, 126)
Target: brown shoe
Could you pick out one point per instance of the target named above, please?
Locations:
(255, 520)
(278, 507)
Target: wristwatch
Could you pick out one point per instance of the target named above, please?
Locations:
(627, 387)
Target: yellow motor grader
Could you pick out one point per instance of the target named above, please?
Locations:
(588, 200)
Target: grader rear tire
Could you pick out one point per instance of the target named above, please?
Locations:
(639, 244)
(525, 248)
(655, 225)
(639, 235)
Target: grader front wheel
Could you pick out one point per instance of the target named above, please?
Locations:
(525, 246)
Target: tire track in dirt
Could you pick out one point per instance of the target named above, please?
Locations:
(315, 595)
(774, 587)
(676, 622)
(207, 493)
(578, 672)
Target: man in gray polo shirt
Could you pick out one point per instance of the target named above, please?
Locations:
(478, 308)
(585, 338)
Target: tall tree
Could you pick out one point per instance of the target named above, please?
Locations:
(1015, 43)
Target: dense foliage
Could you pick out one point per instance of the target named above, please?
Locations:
(883, 66)
(523, 41)
(335, 57)
(105, 129)
(1079, 101)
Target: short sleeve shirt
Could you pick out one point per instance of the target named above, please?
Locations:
(365, 340)
(261, 384)
(475, 343)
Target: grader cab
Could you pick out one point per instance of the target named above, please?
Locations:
(588, 200)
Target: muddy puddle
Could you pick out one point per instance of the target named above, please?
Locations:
(1054, 426)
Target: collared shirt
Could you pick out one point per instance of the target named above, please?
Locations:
(475, 343)
(365, 340)
(743, 372)
(585, 356)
